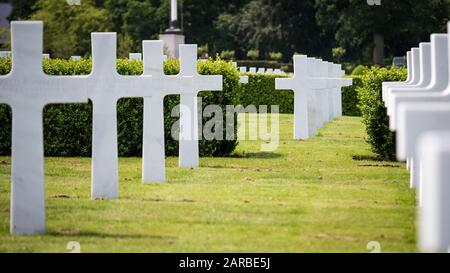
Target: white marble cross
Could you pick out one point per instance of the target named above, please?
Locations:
(343, 82)
(335, 84)
(243, 79)
(27, 90)
(302, 83)
(434, 212)
(106, 87)
(438, 83)
(413, 79)
(188, 140)
(421, 72)
(425, 77)
(434, 91)
(190, 83)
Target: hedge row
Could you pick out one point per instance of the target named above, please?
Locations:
(374, 115)
(260, 90)
(350, 99)
(68, 128)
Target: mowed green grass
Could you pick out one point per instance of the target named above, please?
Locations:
(326, 194)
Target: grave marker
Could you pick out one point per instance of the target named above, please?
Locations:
(27, 90)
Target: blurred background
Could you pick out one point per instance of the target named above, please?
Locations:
(253, 32)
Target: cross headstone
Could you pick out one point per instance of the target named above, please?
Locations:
(106, 88)
(27, 90)
(302, 84)
(434, 220)
(188, 85)
(419, 61)
(415, 77)
(425, 76)
(438, 83)
(188, 140)
(243, 79)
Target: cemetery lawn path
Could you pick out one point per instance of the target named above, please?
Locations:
(326, 194)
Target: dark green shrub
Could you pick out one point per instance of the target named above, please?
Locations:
(276, 56)
(227, 55)
(253, 54)
(68, 128)
(350, 98)
(359, 70)
(260, 90)
(373, 111)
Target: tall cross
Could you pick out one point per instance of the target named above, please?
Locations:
(302, 84)
(27, 90)
(190, 84)
(188, 140)
(106, 87)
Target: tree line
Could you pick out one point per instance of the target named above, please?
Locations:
(348, 30)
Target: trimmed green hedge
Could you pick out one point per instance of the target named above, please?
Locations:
(68, 128)
(260, 90)
(350, 99)
(374, 115)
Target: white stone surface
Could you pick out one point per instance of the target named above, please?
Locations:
(75, 58)
(438, 83)
(27, 90)
(243, 79)
(414, 79)
(188, 141)
(425, 76)
(105, 89)
(261, 70)
(188, 84)
(415, 118)
(252, 70)
(302, 83)
(434, 212)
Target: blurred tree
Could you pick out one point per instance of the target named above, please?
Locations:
(22, 9)
(366, 31)
(67, 28)
(285, 26)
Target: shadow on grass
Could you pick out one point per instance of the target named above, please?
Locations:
(77, 233)
(366, 158)
(261, 155)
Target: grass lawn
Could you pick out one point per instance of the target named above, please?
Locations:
(326, 194)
